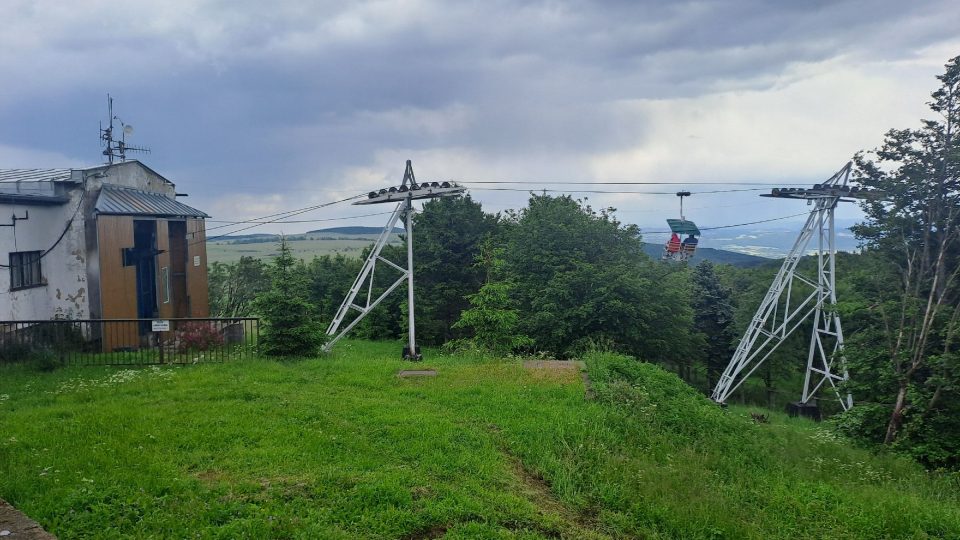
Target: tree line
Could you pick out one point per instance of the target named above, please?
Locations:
(559, 277)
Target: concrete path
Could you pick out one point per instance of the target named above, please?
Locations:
(15, 525)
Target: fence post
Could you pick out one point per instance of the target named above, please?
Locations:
(160, 344)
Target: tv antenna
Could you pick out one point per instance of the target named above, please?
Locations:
(112, 147)
(792, 298)
(405, 194)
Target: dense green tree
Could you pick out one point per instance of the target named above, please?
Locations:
(580, 277)
(328, 280)
(233, 287)
(493, 319)
(906, 359)
(448, 234)
(290, 322)
(388, 320)
(713, 317)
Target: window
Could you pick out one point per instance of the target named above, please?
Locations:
(25, 269)
(165, 284)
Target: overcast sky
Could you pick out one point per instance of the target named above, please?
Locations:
(257, 107)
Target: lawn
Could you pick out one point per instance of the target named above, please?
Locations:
(340, 447)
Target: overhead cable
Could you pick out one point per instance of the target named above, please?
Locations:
(617, 191)
(296, 220)
(734, 225)
(628, 183)
(282, 215)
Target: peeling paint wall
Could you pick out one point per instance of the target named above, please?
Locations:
(131, 174)
(64, 269)
(71, 271)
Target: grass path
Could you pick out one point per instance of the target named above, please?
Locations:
(342, 448)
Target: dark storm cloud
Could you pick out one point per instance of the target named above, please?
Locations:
(254, 96)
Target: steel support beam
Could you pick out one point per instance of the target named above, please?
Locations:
(792, 299)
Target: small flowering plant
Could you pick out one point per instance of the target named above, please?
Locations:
(198, 336)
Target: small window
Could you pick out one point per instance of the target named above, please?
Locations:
(25, 269)
(165, 283)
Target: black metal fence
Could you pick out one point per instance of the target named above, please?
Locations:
(128, 341)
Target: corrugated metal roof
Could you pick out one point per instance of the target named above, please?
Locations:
(127, 202)
(34, 175)
(37, 200)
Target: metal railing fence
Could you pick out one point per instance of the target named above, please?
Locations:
(129, 341)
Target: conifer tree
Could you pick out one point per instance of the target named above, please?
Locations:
(713, 317)
(291, 328)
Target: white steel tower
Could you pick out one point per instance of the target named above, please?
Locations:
(794, 298)
(404, 195)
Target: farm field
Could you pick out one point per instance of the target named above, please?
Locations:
(226, 251)
(340, 447)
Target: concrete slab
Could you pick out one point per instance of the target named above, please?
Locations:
(417, 373)
(15, 525)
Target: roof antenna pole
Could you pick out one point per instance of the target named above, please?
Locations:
(114, 148)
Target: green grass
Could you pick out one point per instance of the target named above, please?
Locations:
(339, 447)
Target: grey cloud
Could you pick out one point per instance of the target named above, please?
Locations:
(244, 94)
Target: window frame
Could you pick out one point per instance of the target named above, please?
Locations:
(165, 284)
(26, 270)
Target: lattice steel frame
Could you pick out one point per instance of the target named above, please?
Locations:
(408, 192)
(781, 313)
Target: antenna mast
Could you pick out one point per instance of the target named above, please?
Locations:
(115, 149)
(792, 298)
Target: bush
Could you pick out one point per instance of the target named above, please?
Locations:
(198, 336)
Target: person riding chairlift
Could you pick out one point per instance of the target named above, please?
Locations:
(673, 246)
(689, 244)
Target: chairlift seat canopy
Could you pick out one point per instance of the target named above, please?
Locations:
(681, 226)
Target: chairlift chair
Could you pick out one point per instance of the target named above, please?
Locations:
(678, 248)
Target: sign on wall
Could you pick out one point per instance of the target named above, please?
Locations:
(160, 325)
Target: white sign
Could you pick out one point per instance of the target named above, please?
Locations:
(196, 260)
(160, 325)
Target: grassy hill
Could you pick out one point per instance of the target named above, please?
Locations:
(340, 447)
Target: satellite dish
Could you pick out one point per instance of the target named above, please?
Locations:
(127, 129)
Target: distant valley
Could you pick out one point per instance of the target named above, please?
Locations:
(351, 241)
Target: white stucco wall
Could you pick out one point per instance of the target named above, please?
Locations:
(129, 174)
(64, 268)
(71, 269)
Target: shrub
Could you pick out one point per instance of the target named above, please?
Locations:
(198, 336)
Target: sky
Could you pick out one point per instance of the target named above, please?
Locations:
(258, 107)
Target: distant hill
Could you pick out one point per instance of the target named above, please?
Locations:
(353, 230)
(716, 256)
(350, 241)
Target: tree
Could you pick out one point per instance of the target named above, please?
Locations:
(447, 239)
(580, 277)
(291, 328)
(493, 317)
(329, 279)
(713, 317)
(233, 287)
(913, 237)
